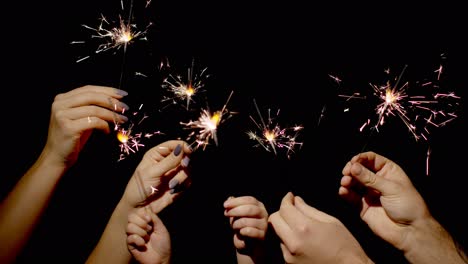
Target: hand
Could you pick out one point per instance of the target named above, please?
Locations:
(159, 177)
(311, 236)
(249, 220)
(75, 114)
(394, 210)
(147, 238)
(388, 201)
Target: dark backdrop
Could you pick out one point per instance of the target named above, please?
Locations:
(281, 55)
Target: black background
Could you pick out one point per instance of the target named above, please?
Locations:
(277, 53)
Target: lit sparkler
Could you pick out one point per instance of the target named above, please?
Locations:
(431, 108)
(206, 126)
(130, 139)
(184, 87)
(417, 112)
(272, 136)
(113, 35)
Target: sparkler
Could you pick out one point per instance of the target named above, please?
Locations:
(130, 139)
(113, 35)
(272, 136)
(206, 126)
(418, 112)
(183, 89)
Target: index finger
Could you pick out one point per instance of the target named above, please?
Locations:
(163, 150)
(107, 90)
(288, 211)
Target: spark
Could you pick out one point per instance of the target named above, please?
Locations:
(183, 88)
(206, 126)
(418, 112)
(129, 137)
(271, 136)
(113, 35)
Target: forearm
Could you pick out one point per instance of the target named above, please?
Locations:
(112, 246)
(24, 205)
(430, 243)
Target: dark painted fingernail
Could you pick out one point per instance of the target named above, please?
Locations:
(124, 106)
(185, 161)
(173, 183)
(123, 118)
(121, 92)
(177, 150)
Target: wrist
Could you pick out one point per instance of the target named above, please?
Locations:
(429, 242)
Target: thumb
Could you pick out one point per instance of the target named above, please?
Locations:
(370, 179)
(311, 212)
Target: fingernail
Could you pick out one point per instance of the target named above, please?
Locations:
(177, 150)
(185, 161)
(123, 118)
(123, 106)
(121, 92)
(173, 183)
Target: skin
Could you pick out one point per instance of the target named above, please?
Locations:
(309, 235)
(248, 218)
(395, 211)
(74, 116)
(159, 168)
(148, 239)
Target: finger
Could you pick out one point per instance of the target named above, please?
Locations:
(179, 182)
(312, 212)
(249, 222)
(290, 213)
(84, 99)
(135, 241)
(239, 242)
(159, 226)
(350, 196)
(282, 228)
(242, 200)
(287, 256)
(370, 179)
(141, 220)
(134, 229)
(91, 110)
(164, 167)
(371, 160)
(163, 150)
(88, 123)
(252, 232)
(248, 210)
(110, 91)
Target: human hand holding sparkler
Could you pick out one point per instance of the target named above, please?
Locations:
(148, 239)
(395, 211)
(156, 182)
(159, 176)
(312, 236)
(248, 218)
(74, 116)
